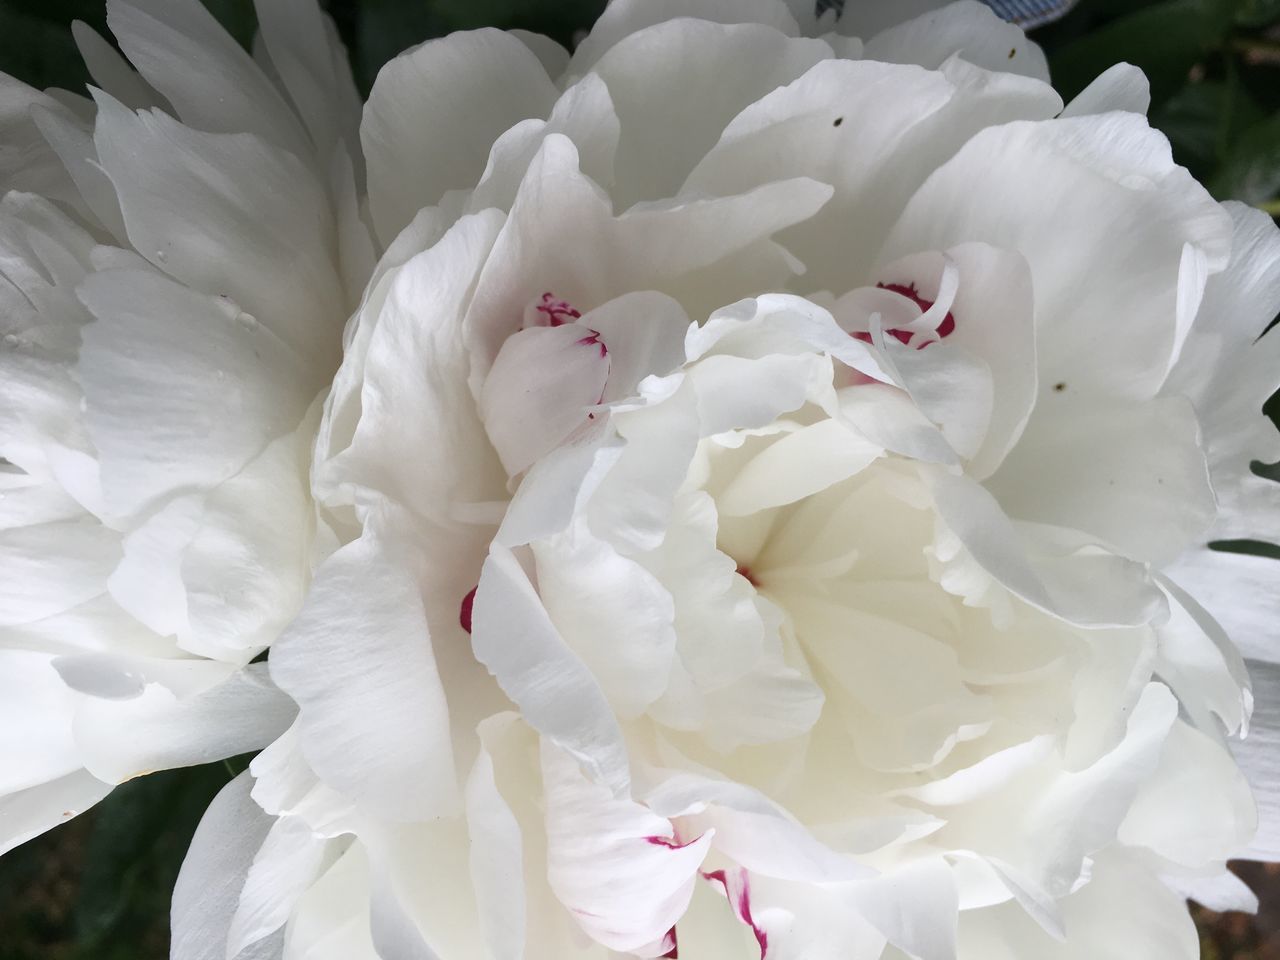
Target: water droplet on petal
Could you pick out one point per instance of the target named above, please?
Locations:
(247, 320)
(162, 256)
(11, 340)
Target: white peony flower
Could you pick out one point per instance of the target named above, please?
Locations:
(757, 514)
(177, 257)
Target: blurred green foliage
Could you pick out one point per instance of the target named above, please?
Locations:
(1214, 67)
(98, 888)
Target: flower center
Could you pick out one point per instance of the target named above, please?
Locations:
(945, 328)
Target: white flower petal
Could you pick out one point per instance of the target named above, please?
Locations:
(1121, 87)
(1078, 812)
(815, 126)
(1228, 373)
(1201, 664)
(332, 920)
(612, 612)
(1196, 808)
(625, 17)
(284, 785)
(213, 875)
(1221, 893)
(373, 719)
(111, 72)
(513, 636)
(44, 255)
(496, 858)
(161, 728)
(1132, 475)
(1239, 592)
(1095, 185)
(750, 829)
(29, 164)
(994, 310)
(414, 913)
(72, 140)
(584, 114)
(614, 864)
(539, 390)
(30, 812)
(183, 52)
(418, 147)
(245, 569)
(148, 582)
(52, 567)
(36, 723)
(644, 332)
(181, 393)
(676, 85)
(1257, 755)
(796, 465)
(284, 866)
(1124, 911)
(968, 29)
(311, 63)
(669, 247)
(408, 395)
(909, 703)
(915, 907)
(230, 215)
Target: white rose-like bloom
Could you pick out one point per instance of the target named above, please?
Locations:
(177, 257)
(758, 504)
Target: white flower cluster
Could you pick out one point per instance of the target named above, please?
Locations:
(754, 510)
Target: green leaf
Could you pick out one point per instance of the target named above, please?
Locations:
(1258, 13)
(384, 28)
(237, 16)
(1166, 40)
(1256, 548)
(57, 12)
(558, 19)
(140, 836)
(1203, 120)
(38, 50)
(1251, 172)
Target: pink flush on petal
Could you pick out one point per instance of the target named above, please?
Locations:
(945, 328)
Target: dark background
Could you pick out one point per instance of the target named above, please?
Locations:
(98, 888)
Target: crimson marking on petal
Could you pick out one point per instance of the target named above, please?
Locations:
(741, 903)
(945, 328)
(671, 843)
(745, 572)
(557, 311)
(464, 609)
(674, 952)
(593, 337)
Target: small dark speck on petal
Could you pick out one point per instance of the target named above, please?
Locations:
(1059, 387)
(1013, 52)
(839, 120)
